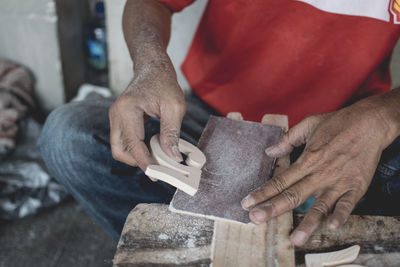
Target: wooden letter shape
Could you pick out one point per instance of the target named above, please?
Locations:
(185, 178)
(334, 258)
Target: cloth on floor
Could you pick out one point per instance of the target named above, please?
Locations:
(15, 100)
(25, 185)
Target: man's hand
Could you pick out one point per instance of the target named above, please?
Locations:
(152, 93)
(341, 154)
(154, 90)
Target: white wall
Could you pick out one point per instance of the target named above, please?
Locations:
(184, 25)
(28, 32)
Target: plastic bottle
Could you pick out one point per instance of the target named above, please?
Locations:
(96, 40)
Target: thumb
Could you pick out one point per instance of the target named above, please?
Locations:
(170, 125)
(296, 136)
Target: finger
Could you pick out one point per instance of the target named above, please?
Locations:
(170, 125)
(289, 199)
(235, 116)
(133, 139)
(276, 120)
(274, 186)
(317, 213)
(117, 150)
(342, 211)
(296, 136)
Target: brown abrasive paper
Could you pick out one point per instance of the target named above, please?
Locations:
(236, 165)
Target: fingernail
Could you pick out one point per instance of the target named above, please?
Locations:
(298, 237)
(259, 215)
(177, 153)
(270, 149)
(247, 202)
(334, 224)
(153, 179)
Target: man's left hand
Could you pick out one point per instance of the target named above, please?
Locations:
(342, 151)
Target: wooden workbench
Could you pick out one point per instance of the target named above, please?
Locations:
(153, 236)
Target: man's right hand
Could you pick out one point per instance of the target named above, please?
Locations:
(153, 92)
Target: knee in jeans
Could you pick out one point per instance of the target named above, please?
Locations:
(60, 132)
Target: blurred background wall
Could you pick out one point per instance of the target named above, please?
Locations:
(48, 37)
(28, 32)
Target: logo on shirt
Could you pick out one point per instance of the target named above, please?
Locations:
(395, 10)
(376, 9)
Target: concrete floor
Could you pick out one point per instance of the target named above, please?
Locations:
(62, 236)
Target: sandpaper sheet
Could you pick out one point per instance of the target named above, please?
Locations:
(236, 165)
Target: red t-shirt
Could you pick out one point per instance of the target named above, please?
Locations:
(294, 57)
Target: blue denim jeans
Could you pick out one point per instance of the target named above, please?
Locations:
(383, 195)
(75, 146)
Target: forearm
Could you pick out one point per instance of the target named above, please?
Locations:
(147, 26)
(390, 111)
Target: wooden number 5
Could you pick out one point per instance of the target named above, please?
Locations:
(185, 178)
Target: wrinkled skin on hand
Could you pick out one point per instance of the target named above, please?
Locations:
(153, 93)
(342, 151)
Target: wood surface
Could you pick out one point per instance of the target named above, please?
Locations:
(334, 258)
(153, 236)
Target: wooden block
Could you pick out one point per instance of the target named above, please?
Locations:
(237, 244)
(236, 165)
(333, 258)
(185, 178)
(153, 236)
(351, 265)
